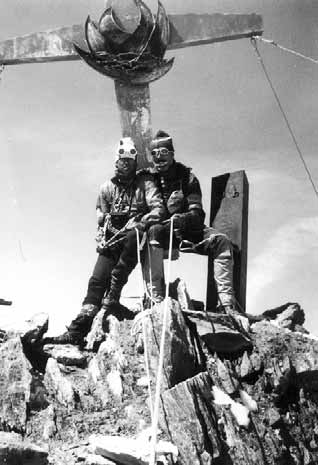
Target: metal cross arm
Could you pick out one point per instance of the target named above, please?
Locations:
(185, 30)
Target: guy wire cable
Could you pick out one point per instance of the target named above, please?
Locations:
(260, 59)
(285, 49)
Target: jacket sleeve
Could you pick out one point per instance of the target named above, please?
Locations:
(193, 218)
(104, 199)
(154, 201)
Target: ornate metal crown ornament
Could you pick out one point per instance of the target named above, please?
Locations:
(128, 43)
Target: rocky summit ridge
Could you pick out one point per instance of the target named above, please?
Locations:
(234, 390)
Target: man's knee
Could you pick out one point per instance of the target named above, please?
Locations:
(219, 243)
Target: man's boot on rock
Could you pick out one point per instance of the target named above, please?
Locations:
(78, 329)
(111, 303)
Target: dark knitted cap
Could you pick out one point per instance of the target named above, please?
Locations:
(162, 139)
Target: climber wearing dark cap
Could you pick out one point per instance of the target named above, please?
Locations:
(125, 202)
(183, 199)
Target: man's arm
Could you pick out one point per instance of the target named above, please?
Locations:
(154, 201)
(102, 203)
(193, 218)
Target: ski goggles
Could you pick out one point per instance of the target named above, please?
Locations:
(124, 153)
(161, 151)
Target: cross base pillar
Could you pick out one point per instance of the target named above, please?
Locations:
(135, 117)
(229, 215)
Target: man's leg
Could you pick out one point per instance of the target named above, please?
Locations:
(121, 271)
(97, 286)
(220, 248)
(158, 235)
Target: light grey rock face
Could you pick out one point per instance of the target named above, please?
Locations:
(49, 426)
(181, 358)
(15, 451)
(226, 377)
(188, 415)
(121, 450)
(66, 354)
(15, 386)
(107, 366)
(58, 385)
(96, 335)
(222, 333)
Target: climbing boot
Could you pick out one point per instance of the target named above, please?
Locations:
(113, 296)
(69, 337)
(78, 329)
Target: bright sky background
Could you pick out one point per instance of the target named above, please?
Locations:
(59, 126)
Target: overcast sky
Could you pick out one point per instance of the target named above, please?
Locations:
(60, 124)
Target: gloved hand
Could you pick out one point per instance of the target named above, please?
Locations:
(135, 223)
(178, 221)
(140, 226)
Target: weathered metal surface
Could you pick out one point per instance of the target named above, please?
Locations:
(195, 29)
(135, 117)
(185, 30)
(229, 215)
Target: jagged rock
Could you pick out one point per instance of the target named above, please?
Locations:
(34, 328)
(221, 333)
(49, 427)
(97, 334)
(129, 451)
(106, 367)
(123, 450)
(272, 416)
(3, 336)
(256, 362)
(246, 368)
(58, 385)
(15, 386)
(287, 315)
(190, 422)
(292, 316)
(227, 378)
(38, 395)
(248, 401)
(181, 357)
(15, 451)
(66, 354)
(182, 295)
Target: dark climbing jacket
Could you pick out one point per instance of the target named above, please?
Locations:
(182, 195)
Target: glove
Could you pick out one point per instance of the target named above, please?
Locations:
(175, 202)
(178, 221)
(140, 226)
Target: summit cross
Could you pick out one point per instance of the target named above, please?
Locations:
(176, 31)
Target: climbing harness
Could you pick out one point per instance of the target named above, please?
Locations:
(291, 132)
(161, 354)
